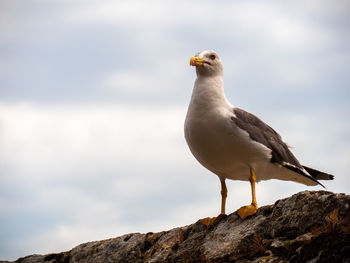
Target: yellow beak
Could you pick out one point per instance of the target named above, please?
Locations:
(196, 61)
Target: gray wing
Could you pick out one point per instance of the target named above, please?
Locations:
(262, 133)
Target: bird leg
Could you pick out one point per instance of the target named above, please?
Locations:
(223, 195)
(249, 210)
(210, 220)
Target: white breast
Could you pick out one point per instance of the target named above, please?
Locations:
(222, 147)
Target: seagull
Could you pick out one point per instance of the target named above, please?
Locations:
(235, 144)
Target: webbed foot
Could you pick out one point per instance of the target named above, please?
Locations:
(247, 210)
(208, 221)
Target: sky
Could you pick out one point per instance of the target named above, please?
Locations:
(94, 93)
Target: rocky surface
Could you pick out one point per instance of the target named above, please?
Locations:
(306, 227)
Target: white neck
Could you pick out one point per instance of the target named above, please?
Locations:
(208, 92)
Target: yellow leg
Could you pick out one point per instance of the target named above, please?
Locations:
(223, 195)
(248, 210)
(210, 220)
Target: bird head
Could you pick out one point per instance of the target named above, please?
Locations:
(207, 63)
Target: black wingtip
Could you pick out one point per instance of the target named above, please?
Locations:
(318, 175)
(300, 171)
(321, 184)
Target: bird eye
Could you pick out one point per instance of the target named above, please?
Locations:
(212, 57)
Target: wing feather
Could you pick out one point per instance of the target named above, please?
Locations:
(262, 133)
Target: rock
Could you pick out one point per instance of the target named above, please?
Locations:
(306, 227)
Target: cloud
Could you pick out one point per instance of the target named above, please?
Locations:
(100, 133)
(106, 50)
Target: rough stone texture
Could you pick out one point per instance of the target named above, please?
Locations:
(306, 227)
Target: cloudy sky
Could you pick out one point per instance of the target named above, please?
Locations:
(93, 96)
